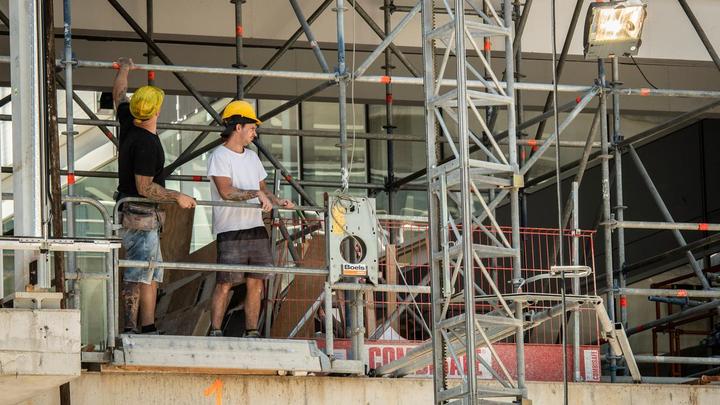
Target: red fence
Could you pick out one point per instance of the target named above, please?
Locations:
(404, 253)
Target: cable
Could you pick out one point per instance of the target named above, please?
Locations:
(641, 72)
(352, 93)
(558, 188)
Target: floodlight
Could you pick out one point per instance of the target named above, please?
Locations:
(614, 28)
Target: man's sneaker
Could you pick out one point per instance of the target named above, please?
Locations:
(216, 332)
(150, 330)
(252, 333)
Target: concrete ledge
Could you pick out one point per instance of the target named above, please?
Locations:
(181, 389)
(39, 349)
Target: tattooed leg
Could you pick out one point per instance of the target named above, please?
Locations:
(131, 303)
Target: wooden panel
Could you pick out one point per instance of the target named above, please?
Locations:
(301, 293)
(176, 237)
(188, 295)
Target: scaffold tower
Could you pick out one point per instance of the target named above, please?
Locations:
(464, 193)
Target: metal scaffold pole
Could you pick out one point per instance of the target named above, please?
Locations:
(576, 281)
(389, 121)
(655, 194)
(619, 201)
(517, 183)
(70, 144)
(150, 28)
(239, 31)
(606, 209)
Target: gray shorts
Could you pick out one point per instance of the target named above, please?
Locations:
(245, 247)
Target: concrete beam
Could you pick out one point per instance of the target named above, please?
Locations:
(145, 387)
(26, 84)
(39, 350)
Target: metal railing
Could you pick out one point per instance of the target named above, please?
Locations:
(396, 288)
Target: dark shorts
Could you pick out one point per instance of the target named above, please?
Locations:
(246, 247)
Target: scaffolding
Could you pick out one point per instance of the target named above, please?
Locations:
(484, 171)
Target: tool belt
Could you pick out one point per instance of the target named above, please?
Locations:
(142, 216)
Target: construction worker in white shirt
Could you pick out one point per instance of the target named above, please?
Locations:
(236, 174)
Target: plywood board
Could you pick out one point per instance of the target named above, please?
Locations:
(301, 293)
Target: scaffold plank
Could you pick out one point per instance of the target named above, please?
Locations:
(274, 355)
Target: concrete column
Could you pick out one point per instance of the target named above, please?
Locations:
(27, 117)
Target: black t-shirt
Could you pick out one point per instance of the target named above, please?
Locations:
(140, 153)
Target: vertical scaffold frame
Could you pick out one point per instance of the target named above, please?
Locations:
(466, 182)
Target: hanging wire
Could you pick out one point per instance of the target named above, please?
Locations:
(641, 72)
(558, 188)
(352, 93)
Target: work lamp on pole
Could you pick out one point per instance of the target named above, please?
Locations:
(614, 28)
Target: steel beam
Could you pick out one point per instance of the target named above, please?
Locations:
(701, 33)
(707, 361)
(668, 292)
(680, 226)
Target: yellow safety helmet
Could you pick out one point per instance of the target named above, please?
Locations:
(146, 102)
(242, 109)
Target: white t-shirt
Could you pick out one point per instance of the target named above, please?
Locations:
(246, 171)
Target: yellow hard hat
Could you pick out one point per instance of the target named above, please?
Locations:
(242, 109)
(146, 102)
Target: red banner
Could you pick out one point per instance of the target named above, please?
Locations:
(542, 362)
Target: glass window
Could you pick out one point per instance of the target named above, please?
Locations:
(285, 148)
(408, 157)
(186, 110)
(321, 156)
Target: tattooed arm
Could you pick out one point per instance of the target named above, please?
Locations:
(149, 189)
(228, 192)
(273, 198)
(120, 84)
